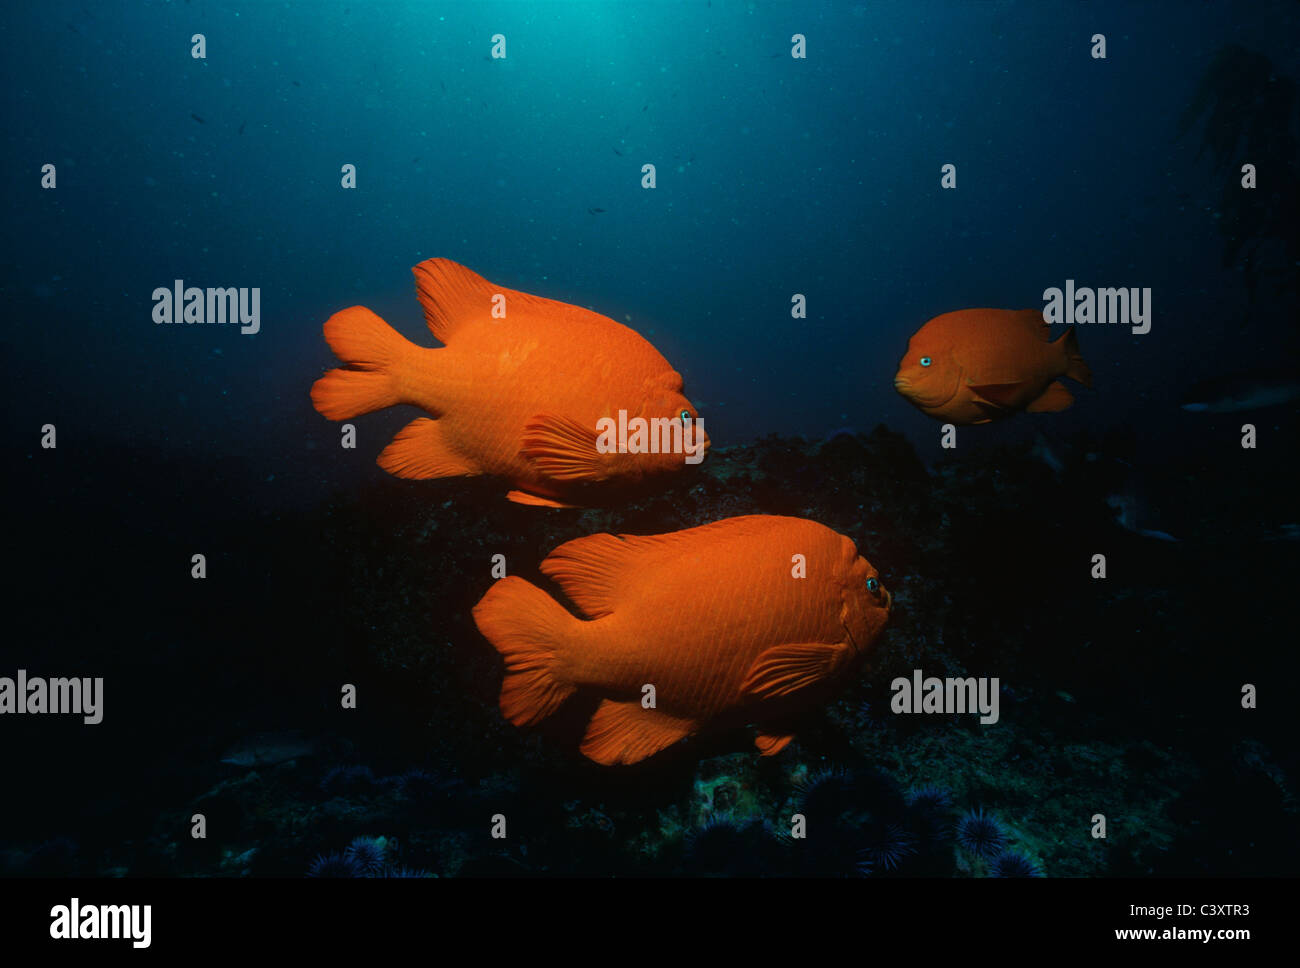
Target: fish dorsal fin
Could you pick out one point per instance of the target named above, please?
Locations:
(591, 570)
(594, 569)
(451, 296)
(625, 732)
(785, 669)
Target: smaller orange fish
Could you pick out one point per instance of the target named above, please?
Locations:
(976, 365)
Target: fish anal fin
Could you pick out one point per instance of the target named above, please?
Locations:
(452, 295)
(769, 744)
(536, 500)
(999, 394)
(563, 449)
(421, 451)
(785, 669)
(625, 732)
(1052, 400)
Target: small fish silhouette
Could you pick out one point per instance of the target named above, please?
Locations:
(268, 749)
(197, 118)
(596, 211)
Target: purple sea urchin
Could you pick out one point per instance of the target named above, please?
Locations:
(825, 785)
(423, 786)
(724, 846)
(712, 847)
(887, 845)
(334, 865)
(367, 853)
(342, 781)
(981, 833)
(930, 798)
(1012, 864)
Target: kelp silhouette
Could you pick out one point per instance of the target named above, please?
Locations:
(1248, 110)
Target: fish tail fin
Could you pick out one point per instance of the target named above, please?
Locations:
(528, 627)
(1075, 368)
(373, 352)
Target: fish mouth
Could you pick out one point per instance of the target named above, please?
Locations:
(702, 444)
(889, 599)
(904, 387)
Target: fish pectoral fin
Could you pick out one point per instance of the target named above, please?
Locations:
(536, 500)
(999, 394)
(420, 451)
(626, 732)
(785, 669)
(769, 744)
(563, 449)
(1053, 399)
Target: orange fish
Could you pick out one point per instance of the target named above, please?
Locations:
(743, 621)
(976, 365)
(536, 391)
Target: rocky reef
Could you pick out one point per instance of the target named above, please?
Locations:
(1118, 697)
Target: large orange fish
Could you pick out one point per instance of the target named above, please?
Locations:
(976, 365)
(743, 621)
(536, 391)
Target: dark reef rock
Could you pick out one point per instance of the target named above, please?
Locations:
(1118, 697)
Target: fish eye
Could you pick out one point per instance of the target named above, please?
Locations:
(686, 416)
(926, 361)
(873, 584)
